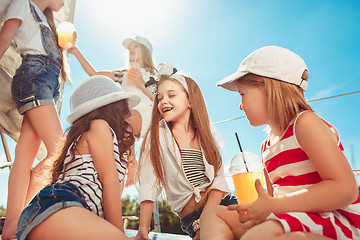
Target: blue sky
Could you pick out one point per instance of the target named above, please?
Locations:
(209, 39)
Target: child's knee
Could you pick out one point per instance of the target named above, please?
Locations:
(212, 212)
(211, 215)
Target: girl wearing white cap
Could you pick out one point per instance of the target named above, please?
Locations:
(84, 199)
(141, 66)
(312, 192)
(180, 155)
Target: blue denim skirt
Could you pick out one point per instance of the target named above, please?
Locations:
(49, 200)
(187, 221)
(36, 82)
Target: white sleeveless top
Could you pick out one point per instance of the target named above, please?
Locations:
(82, 173)
(146, 104)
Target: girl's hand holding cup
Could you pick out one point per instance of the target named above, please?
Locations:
(73, 50)
(134, 74)
(256, 212)
(66, 35)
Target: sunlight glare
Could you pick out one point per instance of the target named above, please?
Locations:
(153, 18)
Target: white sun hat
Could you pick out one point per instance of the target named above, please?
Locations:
(272, 62)
(141, 40)
(95, 92)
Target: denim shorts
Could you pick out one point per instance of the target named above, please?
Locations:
(187, 221)
(36, 82)
(49, 200)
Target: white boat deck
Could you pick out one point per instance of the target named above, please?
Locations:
(159, 236)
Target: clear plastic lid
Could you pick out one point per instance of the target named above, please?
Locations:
(245, 162)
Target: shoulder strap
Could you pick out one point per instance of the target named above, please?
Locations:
(35, 14)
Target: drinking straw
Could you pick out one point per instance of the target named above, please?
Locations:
(135, 57)
(237, 138)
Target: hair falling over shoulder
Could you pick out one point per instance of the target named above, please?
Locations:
(65, 72)
(114, 114)
(199, 120)
(148, 60)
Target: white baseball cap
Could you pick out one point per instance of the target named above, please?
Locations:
(141, 40)
(272, 62)
(95, 92)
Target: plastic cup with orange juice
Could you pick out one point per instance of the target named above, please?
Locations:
(66, 35)
(245, 168)
(132, 65)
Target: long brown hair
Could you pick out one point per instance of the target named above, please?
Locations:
(199, 120)
(285, 100)
(65, 71)
(114, 114)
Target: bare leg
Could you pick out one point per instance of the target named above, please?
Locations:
(65, 224)
(50, 133)
(40, 123)
(218, 223)
(272, 229)
(19, 178)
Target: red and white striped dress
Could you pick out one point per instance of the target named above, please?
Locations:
(290, 172)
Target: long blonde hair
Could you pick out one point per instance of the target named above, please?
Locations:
(65, 71)
(147, 59)
(199, 120)
(285, 100)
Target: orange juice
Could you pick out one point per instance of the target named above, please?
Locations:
(66, 39)
(66, 34)
(132, 65)
(245, 186)
(130, 78)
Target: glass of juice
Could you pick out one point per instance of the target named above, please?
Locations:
(132, 65)
(245, 168)
(66, 35)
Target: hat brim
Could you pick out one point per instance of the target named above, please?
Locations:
(141, 40)
(126, 42)
(90, 106)
(229, 82)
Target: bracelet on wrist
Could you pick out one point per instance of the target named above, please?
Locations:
(196, 225)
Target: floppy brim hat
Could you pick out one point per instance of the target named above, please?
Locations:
(95, 92)
(126, 43)
(272, 62)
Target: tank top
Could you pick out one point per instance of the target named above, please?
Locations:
(83, 174)
(193, 165)
(290, 171)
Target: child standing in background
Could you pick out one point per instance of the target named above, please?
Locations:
(84, 199)
(180, 155)
(132, 81)
(312, 192)
(35, 90)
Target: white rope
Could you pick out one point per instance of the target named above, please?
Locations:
(314, 100)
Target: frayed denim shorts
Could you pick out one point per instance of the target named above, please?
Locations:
(49, 200)
(36, 82)
(187, 221)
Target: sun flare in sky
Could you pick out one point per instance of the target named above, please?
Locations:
(134, 17)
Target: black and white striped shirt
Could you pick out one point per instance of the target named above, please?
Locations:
(193, 165)
(82, 173)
